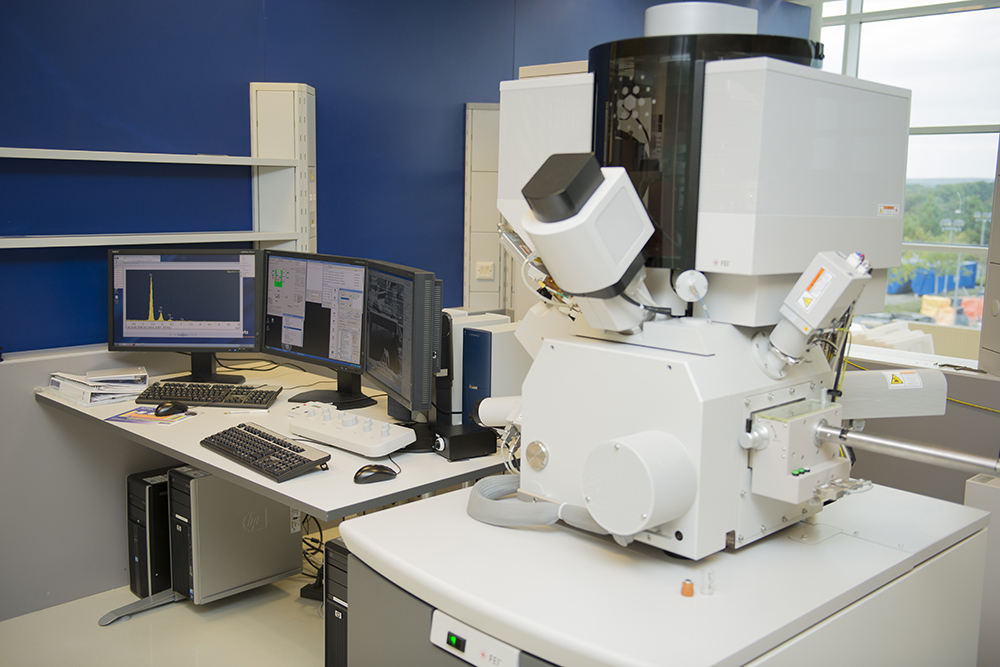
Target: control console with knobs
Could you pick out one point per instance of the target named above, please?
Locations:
(348, 430)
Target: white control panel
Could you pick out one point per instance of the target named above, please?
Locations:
(469, 644)
(348, 430)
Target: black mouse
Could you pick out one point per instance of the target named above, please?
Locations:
(373, 472)
(168, 408)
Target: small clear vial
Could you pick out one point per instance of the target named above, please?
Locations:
(708, 582)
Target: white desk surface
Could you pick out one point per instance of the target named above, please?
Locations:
(579, 599)
(326, 494)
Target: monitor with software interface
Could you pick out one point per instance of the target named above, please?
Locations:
(197, 301)
(403, 335)
(315, 313)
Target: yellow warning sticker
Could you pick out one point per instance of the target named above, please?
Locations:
(903, 379)
(815, 290)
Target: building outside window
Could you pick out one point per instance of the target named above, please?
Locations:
(948, 55)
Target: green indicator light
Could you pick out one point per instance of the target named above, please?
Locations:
(456, 642)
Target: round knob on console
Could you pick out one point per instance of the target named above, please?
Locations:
(757, 438)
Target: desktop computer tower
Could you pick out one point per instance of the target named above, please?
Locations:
(148, 532)
(450, 383)
(225, 539)
(494, 364)
(335, 602)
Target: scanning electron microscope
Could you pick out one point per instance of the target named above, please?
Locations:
(688, 387)
(699, 255)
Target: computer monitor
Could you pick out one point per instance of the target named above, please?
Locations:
(315, 313)
(198, 301)
(403, 335)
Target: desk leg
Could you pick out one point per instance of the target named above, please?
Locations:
(163, 597)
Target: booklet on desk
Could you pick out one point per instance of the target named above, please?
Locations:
(146, 414)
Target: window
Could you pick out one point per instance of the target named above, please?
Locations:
(949, 57)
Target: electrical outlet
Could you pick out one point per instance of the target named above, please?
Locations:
(484, 270)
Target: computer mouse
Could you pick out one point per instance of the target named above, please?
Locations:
(168, 408)
(373, 472)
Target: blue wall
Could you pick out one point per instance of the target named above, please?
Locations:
(391, 77)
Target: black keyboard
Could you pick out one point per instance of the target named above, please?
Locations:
(272, 455)
(215, 395)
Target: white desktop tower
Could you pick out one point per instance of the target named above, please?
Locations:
(495, 364)
(225, 539)
(452, 385)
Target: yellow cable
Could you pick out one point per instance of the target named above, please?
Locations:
(973, 405)
(847, 350)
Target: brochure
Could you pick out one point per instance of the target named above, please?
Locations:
(145, 414)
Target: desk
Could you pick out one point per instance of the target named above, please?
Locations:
(325, 494)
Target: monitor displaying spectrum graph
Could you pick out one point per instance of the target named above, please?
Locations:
(198, 301)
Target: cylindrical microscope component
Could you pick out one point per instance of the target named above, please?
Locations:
(912, 451)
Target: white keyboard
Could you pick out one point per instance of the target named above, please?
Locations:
(348, 430)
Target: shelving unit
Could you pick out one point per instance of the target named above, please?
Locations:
(483, 268)
(160, 158)
(283, 178)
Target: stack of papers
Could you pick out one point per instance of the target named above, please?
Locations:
(99, 387)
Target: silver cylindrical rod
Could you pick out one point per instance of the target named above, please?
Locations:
(911, 451)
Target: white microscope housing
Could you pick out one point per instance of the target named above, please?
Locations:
(691, 427)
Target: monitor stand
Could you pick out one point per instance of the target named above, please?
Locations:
(203, 370)
(347, 395)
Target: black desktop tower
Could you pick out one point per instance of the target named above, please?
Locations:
(335, 602)
(148, 532)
